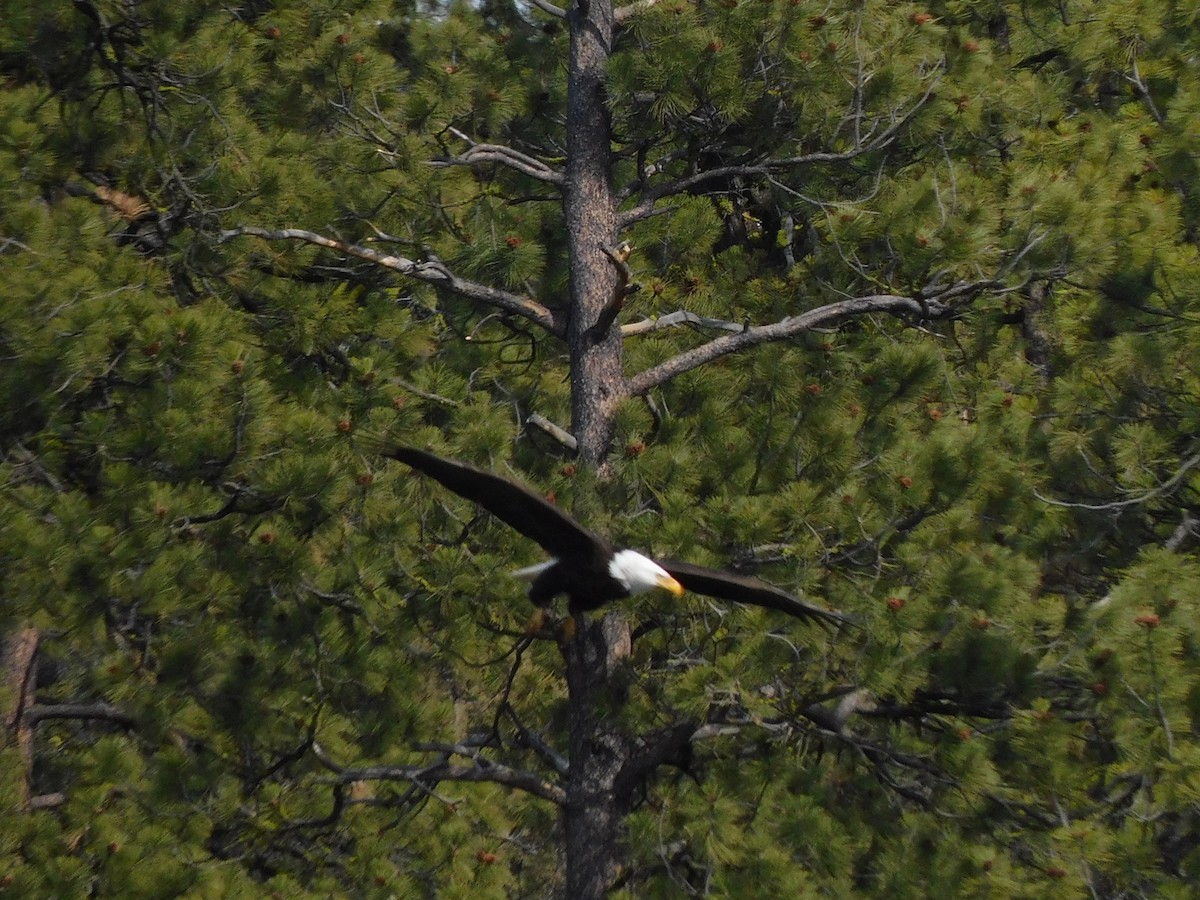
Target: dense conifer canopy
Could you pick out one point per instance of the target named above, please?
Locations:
(914, 338)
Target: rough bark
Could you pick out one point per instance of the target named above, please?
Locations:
(18, 664)
(599, 750)
(599, 754)
(596, 373)
(1037, 345)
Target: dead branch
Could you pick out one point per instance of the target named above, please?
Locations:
(869, 143)
(670, 745)
(481, 769)
(99, 711)
(944, 304)
(535, 742)
(1165, 487)
(432, 271)
(679, 317)
(547, 7)
(1185, 530)
(834, 718)
(482, 154)
(625, 286)
(559, 434)
(424, 395)
(626, 12)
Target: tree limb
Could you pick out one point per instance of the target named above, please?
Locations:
(561, 435)
(432, 271)
(766, 167)
(1143, 91)
(481, 154)
(1164, 488)
(920, 307)
(1185, 530)
(667, 745)
(679, 317)
(619, 256)
(25, 459)
(625, 12)
(547, 7)
(533, 740)
(102, 711)
(834, 718)
(481, 770)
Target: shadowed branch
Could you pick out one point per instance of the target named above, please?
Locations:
(479, 769)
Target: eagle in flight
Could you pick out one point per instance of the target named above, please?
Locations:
(585, 567)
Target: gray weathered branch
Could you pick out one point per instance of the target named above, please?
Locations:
(547, 7)
(939, 306)
(561, 435)
(480, 154)
(680, 317)
(623, 13)
(1165, 487)
(431, 271)
(480, 769)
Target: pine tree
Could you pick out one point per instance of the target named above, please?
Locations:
(903, 325)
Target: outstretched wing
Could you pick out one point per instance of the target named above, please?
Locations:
(512, 503)
(745, 589)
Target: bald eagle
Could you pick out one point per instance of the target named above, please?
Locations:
(586, 568)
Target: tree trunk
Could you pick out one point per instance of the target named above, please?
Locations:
(599, 754)
(596, 372)
(593, 816)
(599, 750)
(17, 661)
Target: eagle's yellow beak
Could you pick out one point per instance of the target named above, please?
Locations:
(667, 583)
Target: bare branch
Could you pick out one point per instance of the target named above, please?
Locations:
(481, 154)
(561, 435)
(335, 812)
(933, 307)
(531, 739)
(679, 317)
(619, 256)
(765, 168)
(102, 711)
(432, 271)
(871, 144)
(1143, 91)
(47, 801)
(5, 243)
(710, 732)
(547, 7)
(482, 769)
(626, 12)
(424, 395)
(25, 459)
(1166, 487)
(1186, 529)
(834, 718)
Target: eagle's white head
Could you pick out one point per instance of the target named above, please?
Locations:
(638, 574)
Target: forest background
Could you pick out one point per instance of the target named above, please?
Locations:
(913, 337)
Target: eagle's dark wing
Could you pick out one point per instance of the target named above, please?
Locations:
(745, 589)
(514, 504)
